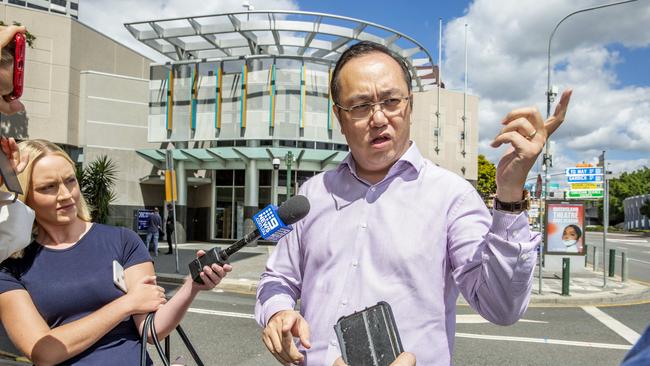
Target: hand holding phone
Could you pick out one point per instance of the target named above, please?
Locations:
(11, 163)
(19, 66)
(12, 67)
(369, 337)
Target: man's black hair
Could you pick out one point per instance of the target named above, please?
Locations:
(361, 49)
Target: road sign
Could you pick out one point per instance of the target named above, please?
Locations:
(584, 178)
(584, 171)
(586, 186)
(585, 194)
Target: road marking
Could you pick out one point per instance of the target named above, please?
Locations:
(628, 240)
(221, 313)
(545, 341)
(613, 324)
(477, 319)
(638, 260)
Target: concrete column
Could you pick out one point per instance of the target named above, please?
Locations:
(275, 177)
(181, 201)
(251, 196)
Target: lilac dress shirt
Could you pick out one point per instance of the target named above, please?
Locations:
(415, 240)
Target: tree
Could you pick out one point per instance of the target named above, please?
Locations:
(645, 209)
(486, 184)
(627, 185)
(97, 181)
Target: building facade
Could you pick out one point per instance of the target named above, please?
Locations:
(87, 93)
(247, 88)
(634, 220)
(244, 100)
(65, 7)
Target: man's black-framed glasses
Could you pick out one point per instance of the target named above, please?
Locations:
(391, 107)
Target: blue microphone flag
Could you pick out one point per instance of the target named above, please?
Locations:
(269, 224)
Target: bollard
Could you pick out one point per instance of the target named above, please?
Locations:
(586, 255)
(623, 266)
(595, 258)
(566, 265)
(612, 262)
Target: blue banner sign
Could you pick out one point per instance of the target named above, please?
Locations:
(584, 178)
(584, 171)
(143, 219)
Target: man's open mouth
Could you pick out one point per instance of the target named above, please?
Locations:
(379, 140)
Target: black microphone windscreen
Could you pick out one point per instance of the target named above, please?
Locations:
(294, 209)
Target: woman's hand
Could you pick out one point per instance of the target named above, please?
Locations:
(145, 296)
(10, 149)
(211, 276)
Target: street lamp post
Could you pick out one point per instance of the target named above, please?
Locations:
(248, 7)
(547, 159)
(274, 181)
(289, 161)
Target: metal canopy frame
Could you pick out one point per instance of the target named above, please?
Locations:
(238, 157)
(274, 33)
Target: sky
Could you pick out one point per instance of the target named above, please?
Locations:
(604, 55)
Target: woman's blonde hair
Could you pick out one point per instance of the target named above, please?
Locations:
(35, 150)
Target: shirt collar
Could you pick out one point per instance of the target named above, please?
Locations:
(411, 158)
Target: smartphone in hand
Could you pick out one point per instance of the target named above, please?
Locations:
(118, 276)
(8, 174)
(18, 46)
(369, 337)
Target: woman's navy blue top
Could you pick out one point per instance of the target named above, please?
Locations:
(68, 284)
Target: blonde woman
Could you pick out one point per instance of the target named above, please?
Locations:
(58, 302)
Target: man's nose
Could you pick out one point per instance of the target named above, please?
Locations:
(378, 119)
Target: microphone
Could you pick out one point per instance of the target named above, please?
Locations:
(271, 224)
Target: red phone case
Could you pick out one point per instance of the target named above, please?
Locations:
(19, 67)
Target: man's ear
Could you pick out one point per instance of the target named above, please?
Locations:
(337, 111)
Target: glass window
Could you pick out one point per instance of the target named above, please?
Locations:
(240, 178)
(17, 2)
(34, 6)
(223, 177)
(59, 2)
(287, 143)
(74, 6)
(225, 143)
(265, 178)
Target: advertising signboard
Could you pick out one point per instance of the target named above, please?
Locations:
(565, 228)
(143, 219)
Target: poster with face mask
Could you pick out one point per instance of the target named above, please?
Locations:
(565, 228)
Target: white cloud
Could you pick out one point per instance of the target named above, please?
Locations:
(109, 17)
(508, 42)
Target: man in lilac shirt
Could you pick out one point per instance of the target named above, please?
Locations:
(388, 224)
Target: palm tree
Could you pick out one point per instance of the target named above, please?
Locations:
(97, 181)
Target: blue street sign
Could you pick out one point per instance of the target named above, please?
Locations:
(584, 178)
(584, 171)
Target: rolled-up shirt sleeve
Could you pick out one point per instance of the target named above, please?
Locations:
(492, 258)
(279, 286)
